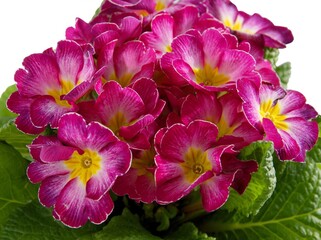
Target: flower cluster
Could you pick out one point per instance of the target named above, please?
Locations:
(154, 99)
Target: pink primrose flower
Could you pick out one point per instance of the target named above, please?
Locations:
(282, 115)
(225, 112)
(206, 61)
(146, 9)
(129, 111)
(77, 168)
(139, 183)
(164, 27)
(126, 63)
(50, 85)
(187, 157)
(249, 27)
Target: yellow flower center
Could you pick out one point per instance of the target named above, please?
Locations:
(235, 26)
(145, 161)
(224, 128)
(160, 5)
(83, 165)
(195, 163)
(272, 112)
(117, 121)
(123, 80)
(209, 76)
(66, 87)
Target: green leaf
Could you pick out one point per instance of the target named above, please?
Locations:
(284, 73)
(19, 140)
(124, 227)
(262, 183)
(188, 231)
(34, 222)
(272, 55)
(293, 211)
(5, 114)
(15, 191)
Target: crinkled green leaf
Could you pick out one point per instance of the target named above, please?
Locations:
(15, 190)
(293, 211)
(284, 73)
(272, 54)
(262, 183)
(34, 222)
(188, 231)
(124, 227)
(5, 114)
(11, 135)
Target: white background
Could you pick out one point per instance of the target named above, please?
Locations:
(31, 26)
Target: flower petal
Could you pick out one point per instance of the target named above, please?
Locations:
(71, 203)
(215, 191)
(99, 210)
(50, 189)
(116, 160)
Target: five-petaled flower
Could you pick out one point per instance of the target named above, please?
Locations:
(77, 169)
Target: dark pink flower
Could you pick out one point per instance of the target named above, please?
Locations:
(77, 169)
(206, 61)
(187, 157)
(50, 85)
(282, 115)
(250, 27)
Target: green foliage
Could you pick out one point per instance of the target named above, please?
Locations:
(284, 73)
(11, 135)
(188, 231)
(15, 191)
(124, 227)
(292, 212)
(5, 114)
(262, 183)
(34, 222)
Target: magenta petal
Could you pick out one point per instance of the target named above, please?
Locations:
(54, 153)
(21, 105)
(171, 185)
(115, 99)
(214, 45)
(305, 133)
(215, 154)
(290, 149)
(272, 133)
(126, 185)
(70, 60)
(215, 191)
(44, 110)
(99, 210)
(292, 101)
(71, 203)
(116, 160)
(146, 187)
(184, 19)
(50, 189)
(42, 73)
(38, 171)
(249, 92)
(147, 90)
(38, 143)
(189, 49)
(132, 130)
(201, 106)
